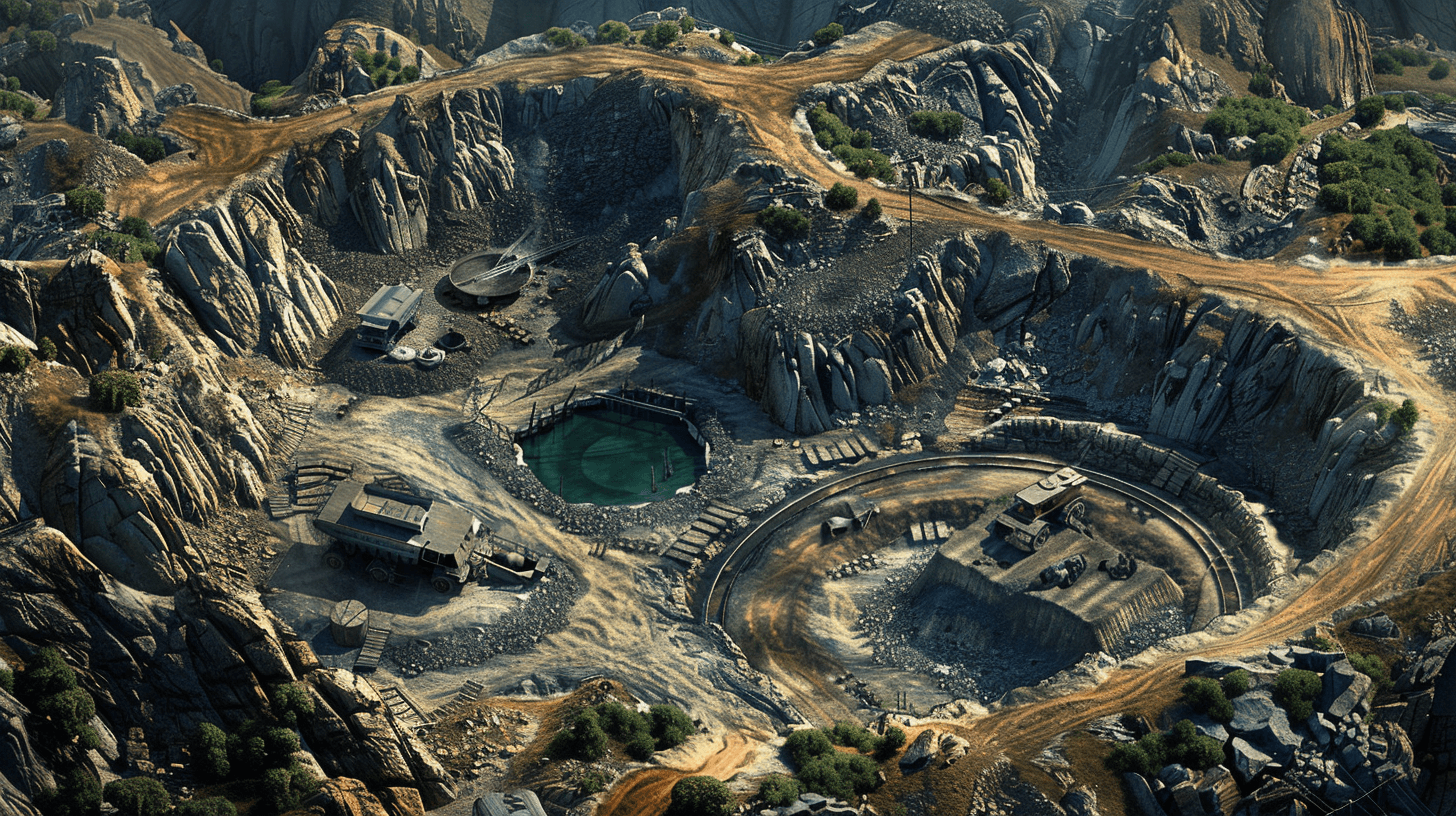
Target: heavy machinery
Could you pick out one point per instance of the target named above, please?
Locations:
(1026, 524)
(399, 533)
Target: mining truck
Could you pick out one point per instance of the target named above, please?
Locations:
(399, 533)
(1027, 522)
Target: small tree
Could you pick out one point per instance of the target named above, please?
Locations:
(210, 753)
(138, 796)
(47, 673)
(69, 712)
(14, 359)
(671, 726)
(778, 790)
(1395, 103)
(216, 65)
(583, 738)
(293, 703)
(564, 38)
(687, 24)
(872, 210)
(105, 8)
(1405, 416)
(210, 806)
(284, 788)
(1235, 683)
(1439, 70)
(783, 223)
(727, 38)
(806, 744)
(841, 197)
(1369, 111)
(997, 192)
(85, 202)
(661, 35)
(613, 32)
(41, 40)
(76, 794)
(1295, 689)
(115, 390)
(890, 743)
(701, 796)
(1207, 697)
(828, 34)
(942, 125)
(1129, 757)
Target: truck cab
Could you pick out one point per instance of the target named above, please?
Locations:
(1026, 524)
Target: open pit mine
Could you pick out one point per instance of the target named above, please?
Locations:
(959, 407)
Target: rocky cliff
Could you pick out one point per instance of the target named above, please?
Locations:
(1320, 49)
(447, 158)
(1433, 19)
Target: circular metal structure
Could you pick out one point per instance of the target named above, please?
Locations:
(348, 621)
(429, 358)
(403, 354)
(452, 341)
(477, 275)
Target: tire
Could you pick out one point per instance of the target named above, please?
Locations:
(334, 560)
(1040, 539)
(442, 585)
(380, 574)
(1075, 512)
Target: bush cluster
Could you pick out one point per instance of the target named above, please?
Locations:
(76, 793)
(114, 390)
(262, 749)
(997, 191)
(1396, 60)
(266, 99)
(701, 796)
(1207, 696)
(783, 223)
(48, 688)
(1372, 667)
(872, 210)
(727, 38)
(828, 34)
(942, 125)
(138, 796)
(564, 38)
(1183, 745)
(661, 35)
(778, 790)
(37, 14)
(1295, 690)
(12, 101)
(85, 202)
(1262, 82)
(1274, 125)
(1405, 418)
(663, 727)
(750, 59)
(687, 24)
(146, 148)
(613, 32)
(823, 770)
(14, 359)
(1370, 111)
(852, 147)
(1170, 159)
(841, 197)
(105, 8)
(1389, 181)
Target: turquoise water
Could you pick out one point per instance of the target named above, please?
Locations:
(602, 456)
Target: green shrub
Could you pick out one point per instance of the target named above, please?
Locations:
(1186, 746)
(12, 83)
(1372, 667)
(865, 162)
(828, 34)
(364, 58)
(1384, 63)
(1439, 241)
(613, 32)
(291, 701)
(641, 746)
(14, 359)
(411, 73)
(890, 743)
(44, 13)
(69, 711)
(1440, 69)
(284, 788)
(841, 197)
(661, 35)
(671, 726)
(105, 8)
(1347, 196)
(619, 721)
(125, 248)
(41, 40)
(7, 681)
(701, 796)
(806, 744)
(1206, 696)
(380, 58)
(1409, 57)
(592, 782)
(872, 210)
(1395, 102)
(1369, 112)
(1405, 416)
(210, 753)
(1295, 690)
(45, 349)
(1271, 148)
(942, 125)
(9, 100)
(853, 735)
(687, 24)
(1235, 683)
(85, 202)
(138, 796)
(997, 192)
(114, 390)
(1129, 757)
(210, 806)
(750, 59)
(1373, 231)
(561, 38)
(1255, 116)
(829, 131)
(395, 65)
(77, 794)
(582, 739)
(778, 790)
(1262, 82)
(46, 673)
(727, 38)
(1170, 159)
(783, 223)
(842, 776)
(216, 65)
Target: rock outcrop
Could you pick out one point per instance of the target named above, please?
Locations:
(449, 158)
(1433, 19)
(102, 94)
(239, 267)
(1320, 50)
(619, 296)
(332, 68)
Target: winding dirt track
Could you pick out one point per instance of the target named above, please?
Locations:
(1347, 306)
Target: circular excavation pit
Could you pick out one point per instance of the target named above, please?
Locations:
(609, 450)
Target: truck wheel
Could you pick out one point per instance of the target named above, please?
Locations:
(1041, 538)
(334, 560)
(380, 574)
(442, 585)
(1075, 512)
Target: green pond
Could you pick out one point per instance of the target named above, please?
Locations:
(603, 456)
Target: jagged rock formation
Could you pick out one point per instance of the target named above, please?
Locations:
(1320, 50)
(1007, 97)
(619, 296)
(332, 69)
(1433, 19)
(99, 95)
(239, 267)
(449, 157)
(976, 282)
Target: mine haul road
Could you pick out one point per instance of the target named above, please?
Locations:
(1346, 305)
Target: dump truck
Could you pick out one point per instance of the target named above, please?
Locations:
(400, 533)
(1026, 524)
(387, 316)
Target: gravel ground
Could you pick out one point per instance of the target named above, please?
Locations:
(955, 20)
(1434, 327)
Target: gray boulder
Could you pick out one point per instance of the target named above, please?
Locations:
(1078, 213)
(11, 132)
(1312, 660)
(620, 295)
(1343, 691)
(1248, 760)
(1252, 711)
(922, 751)
(1277, 738)
(1378, 625)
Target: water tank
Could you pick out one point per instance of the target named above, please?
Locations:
(349, 621)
